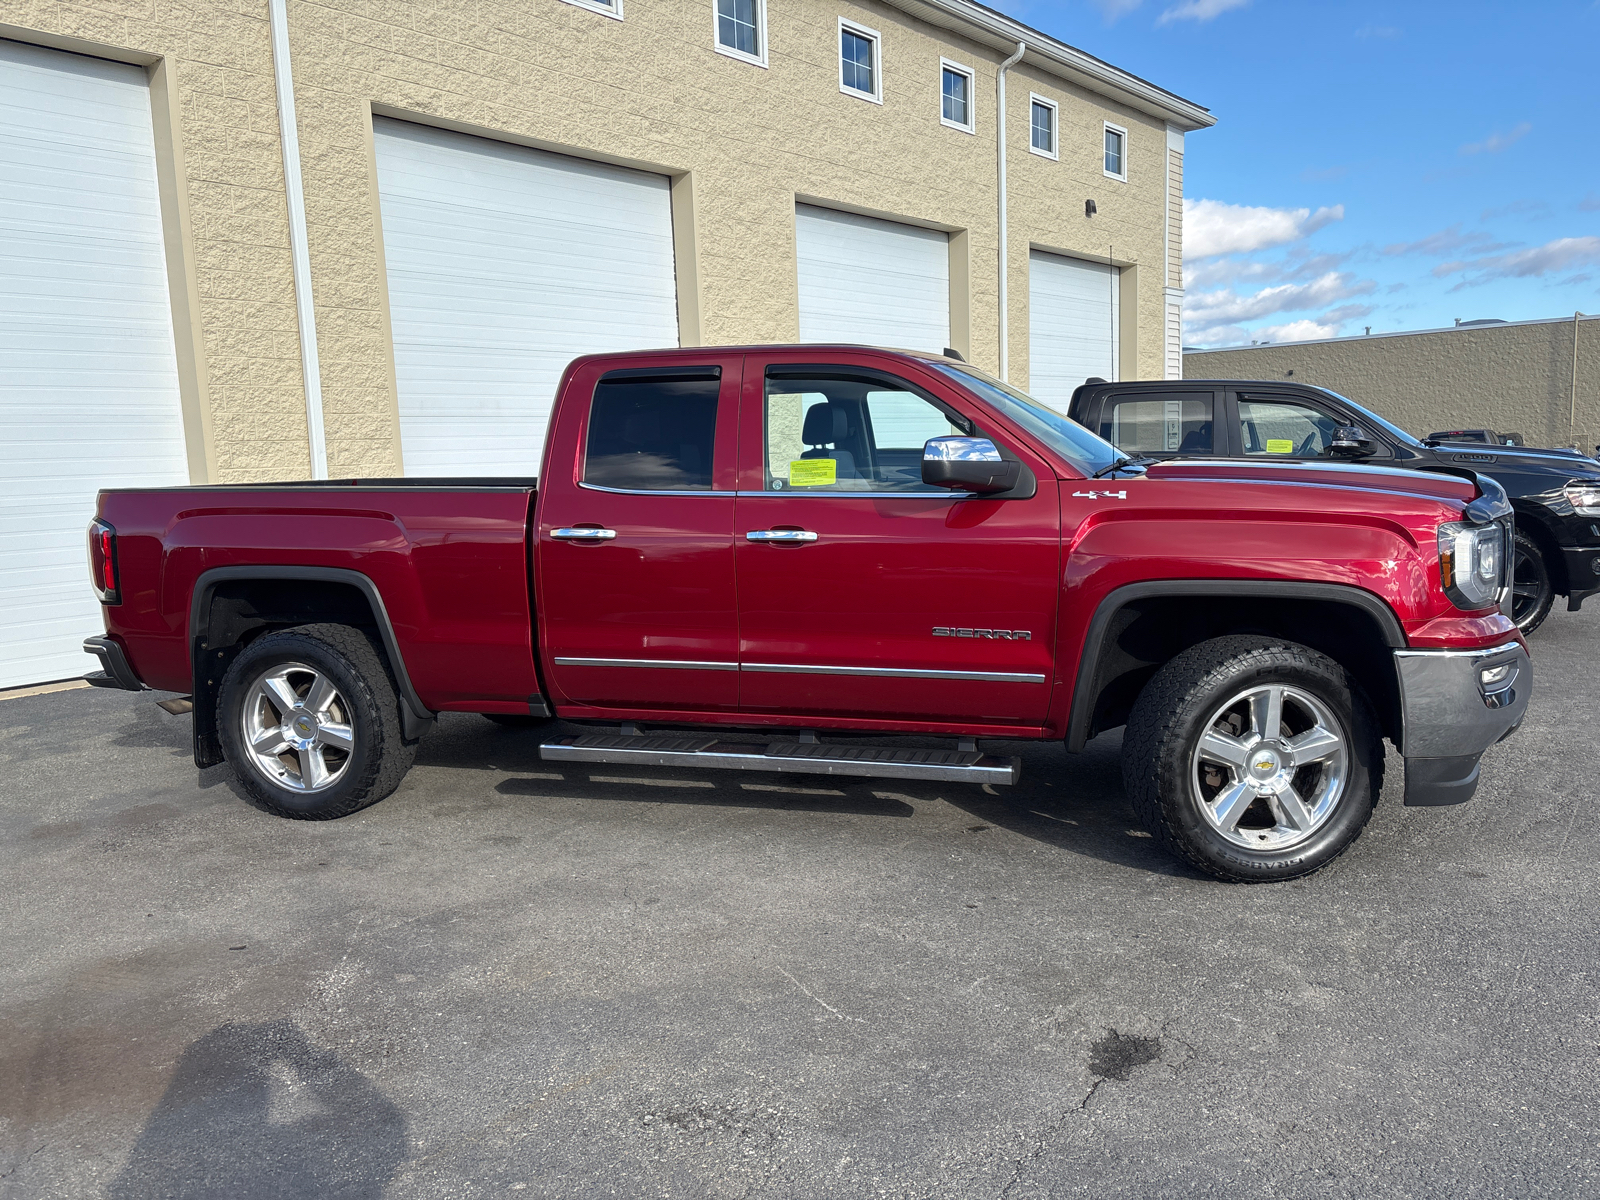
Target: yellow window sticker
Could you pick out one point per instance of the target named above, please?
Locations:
(1280, 445)
(813, 472)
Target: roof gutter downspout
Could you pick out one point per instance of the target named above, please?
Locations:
(1000, 156)
(300, 257)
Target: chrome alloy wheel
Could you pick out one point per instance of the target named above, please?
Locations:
(1270, 768)
(296, 728)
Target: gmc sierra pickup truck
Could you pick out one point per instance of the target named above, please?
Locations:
(1555, 493)
(762, 558)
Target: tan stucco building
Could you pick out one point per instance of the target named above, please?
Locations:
(277, 239)
(1540, 379)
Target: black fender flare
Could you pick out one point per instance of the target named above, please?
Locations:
(1083, 694)
(415, 717)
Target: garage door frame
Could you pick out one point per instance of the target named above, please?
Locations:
(681, 200)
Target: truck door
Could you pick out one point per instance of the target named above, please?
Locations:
(1289, 425)
(865, 593)
(634, 557)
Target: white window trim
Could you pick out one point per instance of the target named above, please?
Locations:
(1123, 178)
(877, 60)
(759, 60)
(972, 96)
(612, 10)
(1054, 153)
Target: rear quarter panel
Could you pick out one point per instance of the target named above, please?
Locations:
(451, 566)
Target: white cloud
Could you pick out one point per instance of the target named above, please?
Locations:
(1211, 227)
(1225, 305)
(1293, 267)
(1199, 10)
(1367, 32)
(1558, 255)
(1498, 141)
(1448, 241)
(1115, 9)
(1590, 203)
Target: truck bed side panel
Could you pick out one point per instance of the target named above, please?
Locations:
(450, 565)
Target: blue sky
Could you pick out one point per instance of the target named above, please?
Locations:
(1388, 165)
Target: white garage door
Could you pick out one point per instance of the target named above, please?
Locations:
(504, 264)
(875, 282)
(88, 377)
(1074, 315)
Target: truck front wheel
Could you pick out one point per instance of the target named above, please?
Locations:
(311, 724)
(1532, 592)
(1253, 759)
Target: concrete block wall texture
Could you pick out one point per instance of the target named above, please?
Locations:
(1516, 377)
(648, 91)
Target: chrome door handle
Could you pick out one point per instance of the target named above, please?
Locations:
(780, 535)
(584, 535)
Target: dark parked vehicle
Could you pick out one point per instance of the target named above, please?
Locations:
(1492, 437)
(1555, 493)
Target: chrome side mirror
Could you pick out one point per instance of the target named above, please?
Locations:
(968, 464)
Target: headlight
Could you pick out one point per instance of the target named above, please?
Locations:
(1472, 563)
(1584, 496)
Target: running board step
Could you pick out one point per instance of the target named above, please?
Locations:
(804, 758)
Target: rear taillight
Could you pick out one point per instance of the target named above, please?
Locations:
(103, 561)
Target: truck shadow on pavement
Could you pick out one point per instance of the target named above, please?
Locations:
(258, 1110)
(1073, 803)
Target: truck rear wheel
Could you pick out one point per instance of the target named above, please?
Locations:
(1253, 759)
(311, 724)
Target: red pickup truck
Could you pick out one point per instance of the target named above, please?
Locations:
(761, 558)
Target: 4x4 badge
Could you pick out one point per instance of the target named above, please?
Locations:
(1108, 495)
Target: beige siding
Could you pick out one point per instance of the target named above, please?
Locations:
(1174, 218)
(741, 143)
(1516, 378)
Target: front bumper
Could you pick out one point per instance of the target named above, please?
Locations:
(1451, 715)
(1583, 574)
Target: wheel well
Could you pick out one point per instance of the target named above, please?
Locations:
(241, 610)
(1554, 561)
(1145, 633)
(231, 612)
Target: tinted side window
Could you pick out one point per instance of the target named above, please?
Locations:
(1159, 423)
(1273, 428)
(652, 435)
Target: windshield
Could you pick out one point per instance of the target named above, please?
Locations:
(1085, 451)
(1394, 431)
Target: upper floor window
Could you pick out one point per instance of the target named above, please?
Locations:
(955, 88)
(1042, 132)
(860, 61)
(1116, 151)
(611, 8)
(742, 29)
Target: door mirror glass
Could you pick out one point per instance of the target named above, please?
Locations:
(967, 464)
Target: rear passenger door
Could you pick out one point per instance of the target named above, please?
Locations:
(634, 565)
(1168, 423)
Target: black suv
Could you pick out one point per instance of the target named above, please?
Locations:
(1556, 493)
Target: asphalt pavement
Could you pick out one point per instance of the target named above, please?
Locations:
(606, 981)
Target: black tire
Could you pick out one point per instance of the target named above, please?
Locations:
(1166, 781)
(367, 705)
(517, 720)
(1532, 591)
